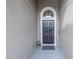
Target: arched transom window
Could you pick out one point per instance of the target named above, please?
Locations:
(48, 13)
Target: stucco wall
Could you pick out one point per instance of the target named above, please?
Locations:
(48, 3)
(21, 28)
(66, 27)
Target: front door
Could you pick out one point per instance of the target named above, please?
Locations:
(48, 31)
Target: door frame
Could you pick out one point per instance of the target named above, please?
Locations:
(43, 18)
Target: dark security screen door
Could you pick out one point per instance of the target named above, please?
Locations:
(48, 31)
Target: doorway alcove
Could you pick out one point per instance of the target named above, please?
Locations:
(48, 32)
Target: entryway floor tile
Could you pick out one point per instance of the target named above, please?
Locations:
(47, 54)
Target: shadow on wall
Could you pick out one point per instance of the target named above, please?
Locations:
(67, 40)
(68, 30)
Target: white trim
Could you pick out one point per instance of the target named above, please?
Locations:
(53, 18)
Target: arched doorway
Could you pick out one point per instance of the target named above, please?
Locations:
(48, 26)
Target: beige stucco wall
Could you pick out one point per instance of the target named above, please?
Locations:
(48, 3)
(21, 28)
(66, 27)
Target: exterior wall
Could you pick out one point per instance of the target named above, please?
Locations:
(66, 27)
(48, 3)
(21, 28)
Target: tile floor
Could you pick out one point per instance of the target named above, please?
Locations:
(47, 54)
